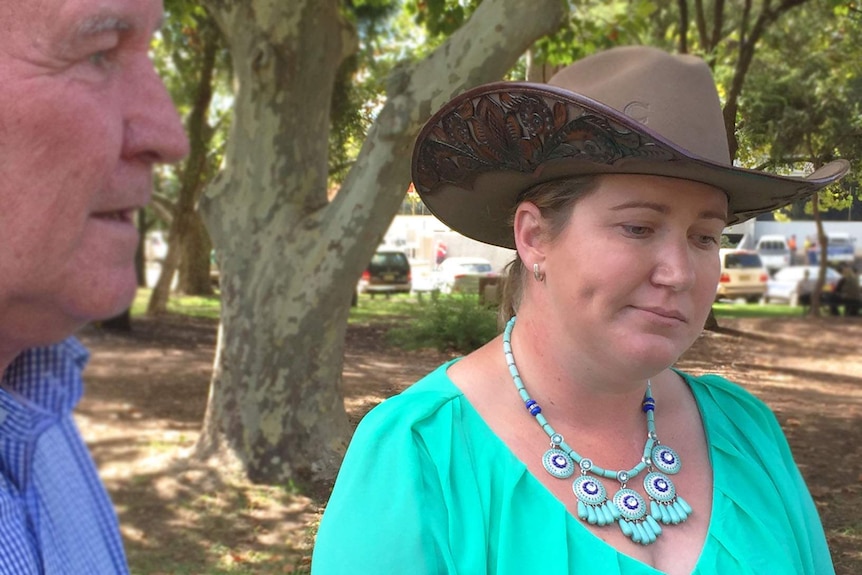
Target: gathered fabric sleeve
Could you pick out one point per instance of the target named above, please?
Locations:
(814, 550)
(386, 513)
(764, 519)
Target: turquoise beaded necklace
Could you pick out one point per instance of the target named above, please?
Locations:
(627, 508)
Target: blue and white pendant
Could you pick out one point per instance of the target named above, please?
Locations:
(558, 463)
(634, 521)
(665, 505)
(593, 504)
(665, 460)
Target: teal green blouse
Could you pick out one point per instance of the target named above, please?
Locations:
(427, 487)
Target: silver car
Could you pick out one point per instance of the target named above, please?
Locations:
(793, 285)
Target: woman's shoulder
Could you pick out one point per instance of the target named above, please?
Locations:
(715, 393)
(722, 389)
(426, 399)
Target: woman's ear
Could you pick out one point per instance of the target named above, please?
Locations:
(529, 229)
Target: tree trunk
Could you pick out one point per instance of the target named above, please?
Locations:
(195, 259)
(822, 247)
(141, 252)
(184, 217)
(289, 258)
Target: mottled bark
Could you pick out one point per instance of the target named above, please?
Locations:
(290, 258)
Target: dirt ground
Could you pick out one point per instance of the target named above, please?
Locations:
(146, 396)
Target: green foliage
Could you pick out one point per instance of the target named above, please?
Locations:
(440, 18)
(802, 105)
(448, 323)
(178, 54)
(360, 84)
(595, 25)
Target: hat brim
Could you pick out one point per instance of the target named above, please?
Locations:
(477, 154)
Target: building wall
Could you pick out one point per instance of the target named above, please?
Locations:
(809, 229)
(419, 237)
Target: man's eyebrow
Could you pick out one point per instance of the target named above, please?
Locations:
(95, 25)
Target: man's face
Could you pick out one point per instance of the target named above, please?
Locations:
(83, 120)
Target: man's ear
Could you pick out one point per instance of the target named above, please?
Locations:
(529, 230)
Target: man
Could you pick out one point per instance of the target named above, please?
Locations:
(83, 120)
(847, 292)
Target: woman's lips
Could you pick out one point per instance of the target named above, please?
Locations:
(665, 313)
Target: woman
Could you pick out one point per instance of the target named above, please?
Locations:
(569, 444)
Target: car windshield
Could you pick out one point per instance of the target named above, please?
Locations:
(388, 259)
(742, 260)
(772, 246)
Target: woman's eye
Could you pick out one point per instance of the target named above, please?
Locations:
(637, 231)
(707, 240)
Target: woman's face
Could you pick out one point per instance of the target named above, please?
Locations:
(632, 276)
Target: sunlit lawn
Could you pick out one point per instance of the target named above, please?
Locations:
(384, 309)
(723, 309)
(197, 306)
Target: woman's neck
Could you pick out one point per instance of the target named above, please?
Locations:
(568, 385)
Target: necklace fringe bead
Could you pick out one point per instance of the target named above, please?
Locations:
(639, 521)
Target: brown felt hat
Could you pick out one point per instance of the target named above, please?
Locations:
(629, 110)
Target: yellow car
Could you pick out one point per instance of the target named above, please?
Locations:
(742, 276)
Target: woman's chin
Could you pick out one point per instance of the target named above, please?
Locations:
(653, 355)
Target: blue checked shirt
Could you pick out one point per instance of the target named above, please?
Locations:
(55, 516)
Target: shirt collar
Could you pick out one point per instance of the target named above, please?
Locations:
(41, 383)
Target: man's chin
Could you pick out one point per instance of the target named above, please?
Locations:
(107, 299)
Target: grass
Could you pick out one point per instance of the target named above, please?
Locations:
(754, 310)
(196, 306)
(382, 309)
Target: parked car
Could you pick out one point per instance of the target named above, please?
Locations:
(462, 274)
(388, 272)
(742, 275)
(422, 276)
(794, 284)
(774, 252)
(839, 248)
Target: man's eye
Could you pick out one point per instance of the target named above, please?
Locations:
(99, 59)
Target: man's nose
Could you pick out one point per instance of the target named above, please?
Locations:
(153, 130)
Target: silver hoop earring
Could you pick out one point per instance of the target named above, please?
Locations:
(538, 274)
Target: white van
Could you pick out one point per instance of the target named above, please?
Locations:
(774, 252)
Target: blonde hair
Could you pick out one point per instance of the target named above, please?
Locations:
(556, 200)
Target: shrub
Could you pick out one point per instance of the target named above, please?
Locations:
(448, 323)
